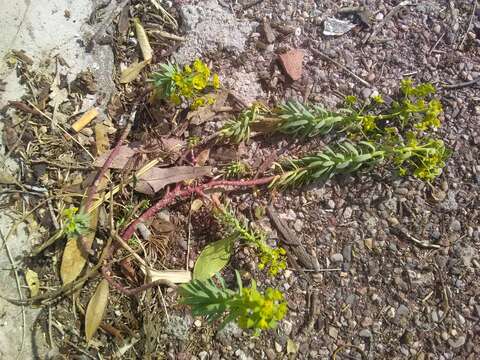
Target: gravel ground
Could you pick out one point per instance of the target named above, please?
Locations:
(391, 263)
(388, 297)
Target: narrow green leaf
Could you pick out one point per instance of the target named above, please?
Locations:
(363, 157)
(344, 164)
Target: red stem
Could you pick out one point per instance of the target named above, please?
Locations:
(106, 165)
(92, 190)
(169, 198)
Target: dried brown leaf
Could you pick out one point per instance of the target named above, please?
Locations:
(31, 277)
(206, 113)
(96, 309)
(125, 153)
(101, 138)
(196, 205)
(143, 41)
(73, 259)
(7, 179)
(172, 144)
(202, 158)
(123, 22)
(156, 178)
(131, 72)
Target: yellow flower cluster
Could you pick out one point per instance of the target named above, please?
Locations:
(261, 311)
(188, 84)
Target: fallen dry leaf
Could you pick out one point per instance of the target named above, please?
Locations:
(156, 178)
(31, 277)
(101, 138)
(202, 158)
(123, 24)
(196, 205)
(143, 41)
(162, 226)
(7, 179)
(172, 144)
(125, 153)
(96, 309)
(73, 259)
(206, 113)
(131, 72)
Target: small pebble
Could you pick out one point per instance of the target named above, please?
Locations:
(336, 258)
(331, 204)
(456, 343)
(333, 332)
(365, 333)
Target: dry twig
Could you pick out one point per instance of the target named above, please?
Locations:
(20, 294)
(474, 9)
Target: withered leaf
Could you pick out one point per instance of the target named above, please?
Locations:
(96, 309)
(31, 277)
(125, 153)
(131, 72)
(202, 158)
(143, 41)
(73, 259)
(206, 113)
(123, 20)
(156, 178)
(196, 205)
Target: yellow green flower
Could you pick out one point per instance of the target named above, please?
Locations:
(199, 82)
(174, 98)
(216, 81)
(198, 103)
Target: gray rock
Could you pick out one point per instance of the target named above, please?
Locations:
(240, 354)
(178, 327)
(450, 204)
(287, 327)
(244, 85)
(211, 28)
(337, 258)
(230, 331)
(203, 355)
(365, 93)
(402, 310)
(333, 332)
(458, 342)
(335, 27)
(365, 333)
(270, 353)
(298, 225)
(455, 225)
(347, 213)
(347, 253)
